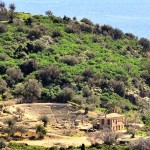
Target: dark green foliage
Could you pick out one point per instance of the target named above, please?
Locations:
(49, 74)
(31, 90)
(45, 120)
(65, 95)
(28, 66)
(14, 75)
(34, 33)
(87, 21)
(145, 43)
(56, 34)
(41, 131)
(48, 13)
(67, 19)
(28, 21)
(2, 68)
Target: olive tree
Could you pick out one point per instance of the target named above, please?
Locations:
(32, 90)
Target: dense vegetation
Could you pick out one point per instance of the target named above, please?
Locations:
(53, 59)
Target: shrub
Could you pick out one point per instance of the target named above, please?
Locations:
(117, 34)
(130, 35)
(37, 32)
(31, 90)
(70, 60)
(41, 131)
(48, 13)
(3, 28)
(49, 74)
(96, 38)
(141, 144)
(65, 95)
(87, 73)
(2, 68)
(86, 28)
(56, 34)
(86, 91)
(14, 75)
(120, 88)
(3, 57)
(29, 66)
(145, 43)
(67, 19)
(45, 120)
(87, 21)
(73, 28)
(106, 29)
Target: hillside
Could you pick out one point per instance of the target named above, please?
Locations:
(53, 59)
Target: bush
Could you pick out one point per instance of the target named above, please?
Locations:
(2, 68)
(145, 43)
(86, 28)
(14, 75)
(87, 21)
(65, 95)
(3, 28)
(117, 34)
(106, 29)
(49, 74)
(141, 144)
(31, 90)
(73, 28)
(41, 131)
(3, 57)
(67, 19)
(29, 66)
(70, 60)
(45, 120)
(56, 34)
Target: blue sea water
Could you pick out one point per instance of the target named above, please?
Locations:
(128, 15)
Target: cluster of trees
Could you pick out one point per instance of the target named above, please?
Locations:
(9, 13)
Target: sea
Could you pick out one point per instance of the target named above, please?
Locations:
(131, 16)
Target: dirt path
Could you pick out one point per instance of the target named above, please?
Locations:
(64, 142)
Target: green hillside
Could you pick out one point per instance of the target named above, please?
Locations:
(53, 59)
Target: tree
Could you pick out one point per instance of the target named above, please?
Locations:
(45, 120)
(14, 75)
(131, 131)
(11, 124)
(41, 131)
(65, 95)
(12, 8)
(49, 74)
(32, 90)
(29, 66)
(49, 13)
(3, 8)
(145, 43)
